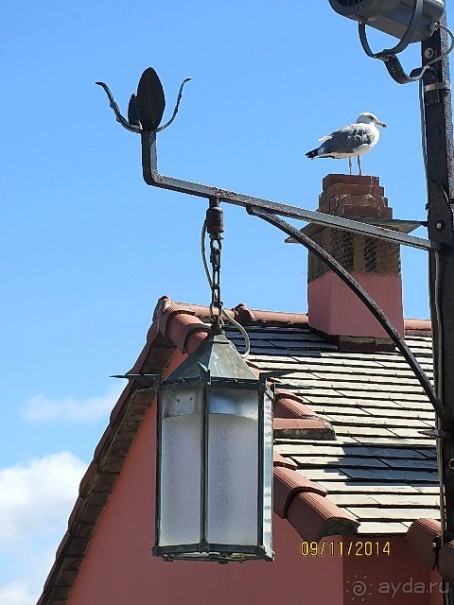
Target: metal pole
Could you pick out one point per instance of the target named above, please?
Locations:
(440, 179)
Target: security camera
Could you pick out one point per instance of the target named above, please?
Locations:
(393, 16)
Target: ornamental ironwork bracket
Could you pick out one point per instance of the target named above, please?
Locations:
(145, 113)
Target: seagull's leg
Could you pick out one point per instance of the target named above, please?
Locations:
(359, 164)
(350, 164)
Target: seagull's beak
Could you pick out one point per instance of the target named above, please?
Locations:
(382, 124)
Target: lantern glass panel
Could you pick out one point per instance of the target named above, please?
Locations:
(181, 460)
(232, 478)
(268, 472)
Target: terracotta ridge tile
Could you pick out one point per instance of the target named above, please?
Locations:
(421, 537)
(420, 540)
(196, 334)
(288, 483)
(246, 316)
(180, 327)
(240, 313)
(289, 405)
(279, 460)
(243, 314)
(167, 304)
(314, 516)
(418, 325)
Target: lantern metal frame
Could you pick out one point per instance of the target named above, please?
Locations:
(200, 370)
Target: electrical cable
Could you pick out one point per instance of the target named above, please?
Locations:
(444, 54)
(389, 56)
(233, 321)
(439, 391)
(421, 102)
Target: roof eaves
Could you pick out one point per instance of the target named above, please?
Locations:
(177, 325)
(101, 475)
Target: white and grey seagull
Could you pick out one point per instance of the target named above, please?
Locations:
(350, 141)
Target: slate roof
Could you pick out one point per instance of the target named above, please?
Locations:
(378, 467)
(349, 456)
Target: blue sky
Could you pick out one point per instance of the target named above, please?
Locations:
(88, 248)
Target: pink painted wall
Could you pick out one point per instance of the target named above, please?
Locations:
(120, 570)
(397, 579)
(334, 309)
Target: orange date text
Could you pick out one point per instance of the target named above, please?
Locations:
(358, 548)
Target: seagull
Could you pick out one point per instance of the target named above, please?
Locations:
(350, 141)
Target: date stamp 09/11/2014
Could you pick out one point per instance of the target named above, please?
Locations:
(358, 548)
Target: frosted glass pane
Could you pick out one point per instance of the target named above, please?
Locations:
(180, 471)
(232, 474)
(268, 475)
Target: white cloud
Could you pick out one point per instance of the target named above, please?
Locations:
(16, 593)
(34, 495)
(42, 408)
(35, 501)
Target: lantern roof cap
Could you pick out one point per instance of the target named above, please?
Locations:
(216, 357)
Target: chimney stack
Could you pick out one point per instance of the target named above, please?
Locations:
(334, 309)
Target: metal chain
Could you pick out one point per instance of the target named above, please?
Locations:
(215, 228)
(215, 259)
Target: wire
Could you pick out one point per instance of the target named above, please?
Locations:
(438, 425)
(439, 389)
(421, 101)
(210, 282)
(444, 54)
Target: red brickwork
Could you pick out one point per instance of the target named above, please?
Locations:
(374, 263)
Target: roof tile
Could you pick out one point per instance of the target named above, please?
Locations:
(314, 516)
(289, 405)
(420, 540)
(288, 483)
(279, 460)
(303, 428)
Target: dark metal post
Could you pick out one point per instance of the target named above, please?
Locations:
(439, 163)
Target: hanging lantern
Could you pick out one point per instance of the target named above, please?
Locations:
(214, 469)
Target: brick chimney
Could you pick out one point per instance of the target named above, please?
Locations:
(333, 308)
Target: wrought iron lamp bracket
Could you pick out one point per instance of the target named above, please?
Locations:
(150, 108)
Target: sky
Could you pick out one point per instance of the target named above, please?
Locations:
(88, 248)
